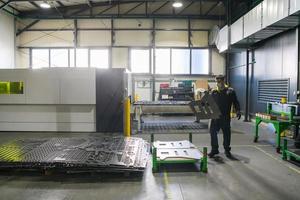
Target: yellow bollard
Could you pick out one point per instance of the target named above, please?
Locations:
(127, 128)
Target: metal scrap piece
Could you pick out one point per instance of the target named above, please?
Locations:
(205, 108)
(164, 154)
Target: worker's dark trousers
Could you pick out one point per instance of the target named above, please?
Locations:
(215, 126)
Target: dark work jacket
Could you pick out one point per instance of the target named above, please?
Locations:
(225, 99)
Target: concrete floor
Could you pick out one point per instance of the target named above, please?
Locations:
(258, 173)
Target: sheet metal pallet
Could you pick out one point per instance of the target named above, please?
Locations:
(156, 163)
(91, 154)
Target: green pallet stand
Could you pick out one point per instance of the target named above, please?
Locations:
(156, 163)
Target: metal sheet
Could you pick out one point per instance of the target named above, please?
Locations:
(165, 154)
(184, 144)
(253, 21)
(294, 6)
(205, 108)
(100, 153)
(237, 31)
(274, 10)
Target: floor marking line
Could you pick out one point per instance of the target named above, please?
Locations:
(181, 191)
(280, 161)
(251, 145)
(166, 182)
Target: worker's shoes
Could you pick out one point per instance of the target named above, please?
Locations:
(228, 154)
(213, 153)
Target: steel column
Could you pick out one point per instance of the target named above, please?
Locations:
(246, 114)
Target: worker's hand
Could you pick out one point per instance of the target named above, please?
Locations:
(238, 115)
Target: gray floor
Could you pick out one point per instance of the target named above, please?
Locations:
(258, 173)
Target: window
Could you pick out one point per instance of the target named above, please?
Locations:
(162, 61)
(59, 58)
(99, 58)
(72, 57)
(82, 58)
(180, 61)
(40, 58)
(200, 61)
(140, 60)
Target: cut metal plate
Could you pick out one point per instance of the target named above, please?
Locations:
(184, 144)
(205, 108)
(171, 154)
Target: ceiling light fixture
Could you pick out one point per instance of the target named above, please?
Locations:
(45, 5)
(177, 4)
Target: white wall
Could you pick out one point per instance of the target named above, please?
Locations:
(61, 99)
(7, 41)
(61, 118)
(73, 86)
(218, 63)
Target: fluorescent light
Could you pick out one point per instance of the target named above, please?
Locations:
(177, 4)
(45, 5)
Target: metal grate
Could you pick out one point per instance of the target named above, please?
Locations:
(273, 90)
(167, 127)
(100, 153)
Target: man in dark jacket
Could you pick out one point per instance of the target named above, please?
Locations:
(225, 97)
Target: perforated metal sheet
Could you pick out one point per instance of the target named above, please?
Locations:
(162, 127)
(109, 153)
(161, 103)
(205, 108)
(164, 154)
(184, 144)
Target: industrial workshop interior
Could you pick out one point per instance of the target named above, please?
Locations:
(149, 99)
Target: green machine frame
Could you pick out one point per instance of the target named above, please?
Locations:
(280, 125)
(287, 154)
(156, 163)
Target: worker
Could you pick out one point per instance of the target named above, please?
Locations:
(225, 97)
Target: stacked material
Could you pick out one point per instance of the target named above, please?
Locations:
(109, 154)
(266, 116)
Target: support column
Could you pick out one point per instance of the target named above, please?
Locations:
(246, 114)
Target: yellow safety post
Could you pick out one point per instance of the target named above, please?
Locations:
(127, 128)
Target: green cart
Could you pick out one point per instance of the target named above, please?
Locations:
(290, 153)
(279, 124)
